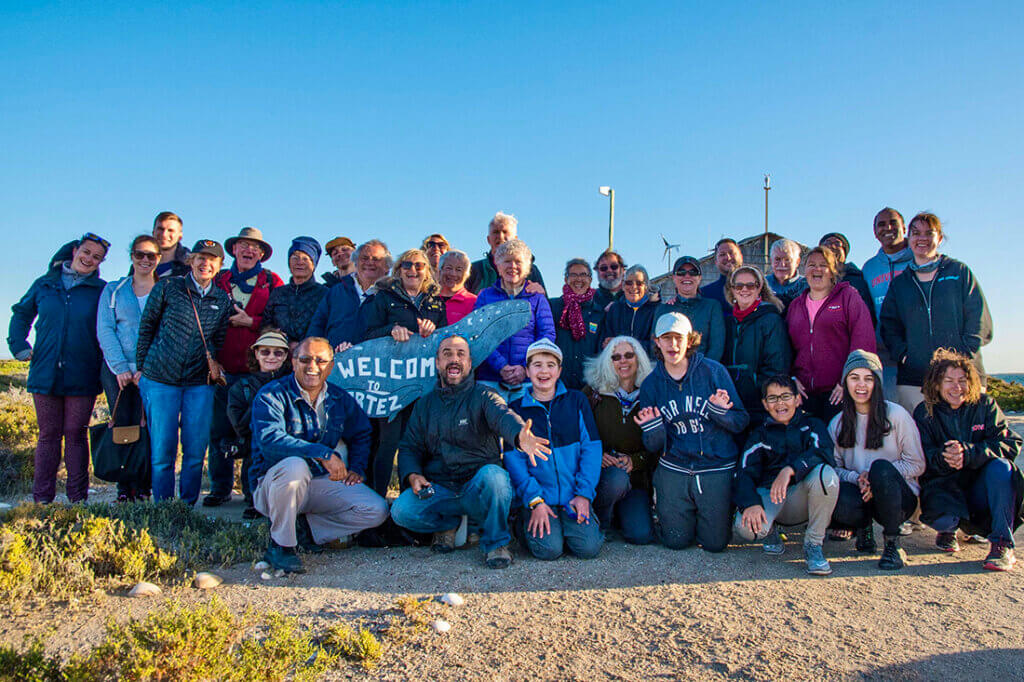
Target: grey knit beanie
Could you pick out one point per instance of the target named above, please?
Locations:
(862, 359)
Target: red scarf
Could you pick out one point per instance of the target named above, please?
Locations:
(741, 315)
(572, 314)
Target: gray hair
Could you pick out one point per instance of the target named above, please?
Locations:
(787, 245)
(389, 261)
(599, 373)
(454, 254)
(638, 269)
(515, 248)
(501, 218)
(576, 261)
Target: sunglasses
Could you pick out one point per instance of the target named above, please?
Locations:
(93, 237)
(628, 355)
(308, 360)
(634, 283)
(684, 272)
(275, 352)
(146, 255)
(752, 286)
(436, 245)
(784, 397)
(605, 268)
(410, 264)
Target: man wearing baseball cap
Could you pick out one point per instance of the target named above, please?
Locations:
(690, 411)
(703, 312)
(339, 250)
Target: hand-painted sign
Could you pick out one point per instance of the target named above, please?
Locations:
(385, 376)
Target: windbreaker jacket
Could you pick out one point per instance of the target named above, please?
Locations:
(880, 270)
(842, 325)
(337, 316)
(117, 325)
(512, 351)
(290, 307)
(803, 444)
(574, 465)
(285, 425)
(952, 314)
(755, 349)
(453, 431)
(391, 305)
(621, 319)
(695, 435)
(66, 358)
(170, 349)
(238, 339)
(705, 316)
(483, 275)
(575, 353)
(981, 429)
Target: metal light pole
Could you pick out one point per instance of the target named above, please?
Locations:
(610, 193)
(767, 187)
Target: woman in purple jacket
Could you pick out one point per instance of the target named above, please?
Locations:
(826, 322)
(505, 368)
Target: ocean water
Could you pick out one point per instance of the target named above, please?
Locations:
(1016, 378)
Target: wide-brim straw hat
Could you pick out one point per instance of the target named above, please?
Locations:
(254, 235)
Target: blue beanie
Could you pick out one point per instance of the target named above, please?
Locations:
(308, 246)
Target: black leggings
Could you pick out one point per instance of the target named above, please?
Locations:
(892, 501)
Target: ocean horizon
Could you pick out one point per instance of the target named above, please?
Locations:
(1014, 378)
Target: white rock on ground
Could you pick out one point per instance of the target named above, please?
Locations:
(452, 599)
(265, 576)
(207, 581)
(261, 566)
(144, 589)
(441, 626)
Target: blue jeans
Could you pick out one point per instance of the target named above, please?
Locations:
(507, 394)
(990, 494)
(486, 499)
(168, 406)
(582, 539)
(617, 499)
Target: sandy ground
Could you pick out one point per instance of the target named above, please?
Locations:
(644, 613)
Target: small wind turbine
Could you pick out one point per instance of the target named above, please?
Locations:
(668, 252)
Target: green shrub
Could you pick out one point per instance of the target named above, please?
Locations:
(17, 418)
(355, 643)
(16, 468)
(13, 373)
(1009, 394)
(30, 665)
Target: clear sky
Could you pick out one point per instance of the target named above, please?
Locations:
(394, 120)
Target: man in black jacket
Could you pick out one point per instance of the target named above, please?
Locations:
(787, 475)
(451, 458)
(840, 246)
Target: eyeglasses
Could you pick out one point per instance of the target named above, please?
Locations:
(628, 355)
(578, 275)
(410, 264)
(752, 286)
(683, 272)
(308, 360)
(146, 255)
(614, 267)
(93, 237)
(784, 397)
(370, 259)
(435, 245)
(634, 283)
(268, 352)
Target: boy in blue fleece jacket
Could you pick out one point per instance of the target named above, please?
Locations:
(559, 490)
(690, 411)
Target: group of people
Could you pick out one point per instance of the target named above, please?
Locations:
(838, 397)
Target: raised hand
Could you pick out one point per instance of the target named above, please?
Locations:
(721, 398)
(647, 414)
(534, 446)
(426, 327)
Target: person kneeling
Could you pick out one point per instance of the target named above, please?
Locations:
(787, 475)
(970, 480)
(558, 491)
(301, 428)
(689, 409)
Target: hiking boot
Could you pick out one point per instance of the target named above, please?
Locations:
(817, 564)
(213, 500)
(866, 540)
(1000, 557)
(893, 556)
(283, 558)
(772, 543)
(499, 558)
(947, 542)
(444, 541)
(304, 535)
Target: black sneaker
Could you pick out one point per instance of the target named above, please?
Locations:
(1000, 557)
(893, 556)
(305, 536)
(283, 558)
(866, 540)
(250, 513)
(213, 500)
(947, 542)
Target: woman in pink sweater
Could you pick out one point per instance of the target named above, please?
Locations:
(453, 270)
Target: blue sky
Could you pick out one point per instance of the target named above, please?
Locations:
(395, 120)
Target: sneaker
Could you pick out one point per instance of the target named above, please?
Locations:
(893, 556)
(906, 528)
(444, 541)
(1000, 557)
(212, 500)
(947, 542)
(772, 543)
(283, 558)
(250, 513)
(499, 558)
(817, 564)
(305, 536)
(866, 540)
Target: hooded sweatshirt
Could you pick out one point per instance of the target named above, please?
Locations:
(881, 269)
(695, 435)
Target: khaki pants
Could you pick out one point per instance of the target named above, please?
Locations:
(909, 397)
(332, 508)
(811, 500)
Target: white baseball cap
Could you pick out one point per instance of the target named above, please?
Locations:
(544, 345)
(673, 323)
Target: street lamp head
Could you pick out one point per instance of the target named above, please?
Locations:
(767, 181)
(605, 190)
